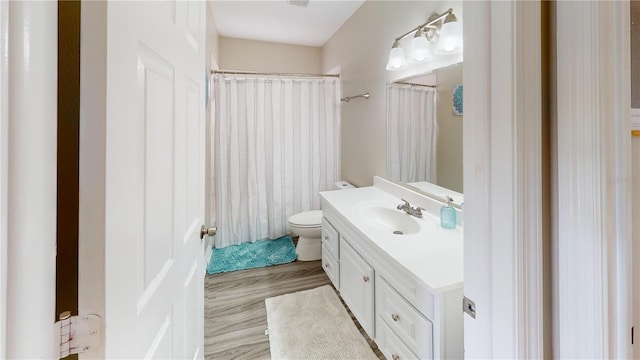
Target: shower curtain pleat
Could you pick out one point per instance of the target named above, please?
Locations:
(275, 149)
(411, 133)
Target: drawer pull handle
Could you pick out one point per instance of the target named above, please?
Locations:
(395, 357)
(365, 278)
(395, 317)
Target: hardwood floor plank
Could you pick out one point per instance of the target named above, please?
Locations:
(235, 314)
(243, 337)
(245, 352)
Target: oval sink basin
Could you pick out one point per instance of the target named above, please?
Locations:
(389, 220)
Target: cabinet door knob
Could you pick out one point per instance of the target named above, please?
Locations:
(325, 237)
(395, 317)
(395, 357)
(365, 278)
(326, 265)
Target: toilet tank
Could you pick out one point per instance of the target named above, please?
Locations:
(343, 185)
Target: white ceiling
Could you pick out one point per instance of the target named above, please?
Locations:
(278, 21)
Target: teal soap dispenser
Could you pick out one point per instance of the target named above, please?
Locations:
(448, 215)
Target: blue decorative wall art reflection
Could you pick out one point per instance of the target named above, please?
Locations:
(457, 99)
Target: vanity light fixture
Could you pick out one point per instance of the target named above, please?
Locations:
(444, 31)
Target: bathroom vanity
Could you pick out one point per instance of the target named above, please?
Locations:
(400, 275)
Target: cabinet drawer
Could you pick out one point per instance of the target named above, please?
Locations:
(415, 293)
(330, 238)
(403, 319)
(390, 344)
(331, 267)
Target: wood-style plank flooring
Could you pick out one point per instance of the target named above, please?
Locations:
(235, 315)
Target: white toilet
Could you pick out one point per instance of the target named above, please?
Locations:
(308, 226)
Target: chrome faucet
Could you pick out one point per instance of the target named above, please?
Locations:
(413, 211)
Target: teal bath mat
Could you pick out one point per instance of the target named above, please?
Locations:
(250, 256)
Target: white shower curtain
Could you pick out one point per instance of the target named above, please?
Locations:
(411, 133)
(276, 145)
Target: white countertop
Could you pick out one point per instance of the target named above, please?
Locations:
(434, 254)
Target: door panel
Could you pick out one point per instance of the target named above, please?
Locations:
(170, 7)
(192, 19)
(161, 347)
(190, 299)
(193, 160)
(156, 99)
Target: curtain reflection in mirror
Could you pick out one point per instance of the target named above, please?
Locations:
(412, 133)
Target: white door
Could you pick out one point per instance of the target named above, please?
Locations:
(154, 181)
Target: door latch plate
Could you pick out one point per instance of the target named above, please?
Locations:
(469, 307)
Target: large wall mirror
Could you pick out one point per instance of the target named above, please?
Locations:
(424, 129)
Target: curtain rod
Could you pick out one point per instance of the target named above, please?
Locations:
(413, 84)
(271, 73)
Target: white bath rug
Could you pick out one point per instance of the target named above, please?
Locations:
(313, 324)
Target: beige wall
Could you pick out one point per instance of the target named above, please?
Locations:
(212, 40)
(449, 130)
(252, 55)
(360, 47)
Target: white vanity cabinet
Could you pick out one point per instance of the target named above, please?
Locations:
(411, 309)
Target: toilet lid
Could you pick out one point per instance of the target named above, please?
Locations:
(307, 218)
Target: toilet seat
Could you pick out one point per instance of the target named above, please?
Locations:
(307, 219)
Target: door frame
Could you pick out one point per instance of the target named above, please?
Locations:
(210, 217)
(503, 179)
(92, 164)
(592, 236)
(503, 250)
(31, 142)
(4, 157)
